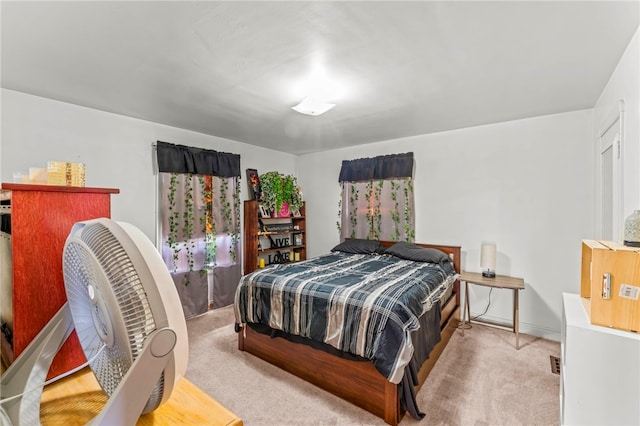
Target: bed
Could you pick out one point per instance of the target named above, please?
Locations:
(382, 352)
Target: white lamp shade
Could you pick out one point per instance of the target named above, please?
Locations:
(488, 256)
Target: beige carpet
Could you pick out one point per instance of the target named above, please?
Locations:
(480, 379)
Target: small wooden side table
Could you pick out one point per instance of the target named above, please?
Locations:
(500, 281)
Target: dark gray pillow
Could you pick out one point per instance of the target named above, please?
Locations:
(416, 253)
(358, 246)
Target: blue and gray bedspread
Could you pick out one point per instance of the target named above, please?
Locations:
(366, 305)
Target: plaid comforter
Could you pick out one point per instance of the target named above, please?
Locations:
(366, 305)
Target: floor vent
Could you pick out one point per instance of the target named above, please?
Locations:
(555, 364)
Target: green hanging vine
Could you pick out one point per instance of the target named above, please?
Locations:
(377, 211)
(408, 228)
(353, 209)
(235, 237)
(395, 213)
(369, 215)
(225, 205)
(174, 220)
(188, 225)
(230, 209)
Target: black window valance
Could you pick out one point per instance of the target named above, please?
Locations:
(381, 167)
(185, 159)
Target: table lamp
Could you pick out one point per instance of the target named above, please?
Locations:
(488, 260)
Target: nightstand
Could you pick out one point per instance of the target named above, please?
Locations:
(500, 281)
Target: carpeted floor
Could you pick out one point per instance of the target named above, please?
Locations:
(480, 379)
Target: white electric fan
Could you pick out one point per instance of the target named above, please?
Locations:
(129, 320)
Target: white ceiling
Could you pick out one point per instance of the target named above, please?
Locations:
(230, 69)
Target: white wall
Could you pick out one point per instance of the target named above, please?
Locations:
(116, 150)
(624, 84)
(525, 184)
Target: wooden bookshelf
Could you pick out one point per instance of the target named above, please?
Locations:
(254, 231)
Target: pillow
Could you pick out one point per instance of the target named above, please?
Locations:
(357, 246)
(416, 253)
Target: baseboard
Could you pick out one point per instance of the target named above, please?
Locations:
(538, 331)
(525, 328)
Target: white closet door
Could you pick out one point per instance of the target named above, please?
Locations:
(610, 179)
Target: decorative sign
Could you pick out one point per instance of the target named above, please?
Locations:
(279, 257)
(280, 242)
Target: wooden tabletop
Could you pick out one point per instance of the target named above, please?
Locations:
(78, 398)
(500, 281)
(56, 188)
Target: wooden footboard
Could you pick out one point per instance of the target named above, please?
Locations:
(355, 381)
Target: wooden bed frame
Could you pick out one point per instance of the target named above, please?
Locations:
(355, 381)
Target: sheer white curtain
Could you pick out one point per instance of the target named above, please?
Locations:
(378, 210)
(200, 228)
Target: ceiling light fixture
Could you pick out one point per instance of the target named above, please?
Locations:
(312, 106)
(317, 90)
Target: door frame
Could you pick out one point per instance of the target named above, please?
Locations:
(615, 121)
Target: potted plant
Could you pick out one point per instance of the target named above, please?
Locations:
(280, 193)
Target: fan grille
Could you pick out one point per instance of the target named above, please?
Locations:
(99, 259)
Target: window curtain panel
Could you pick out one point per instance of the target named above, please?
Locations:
(381, 167)
(185, 159)
(377, 200)
(200, 225)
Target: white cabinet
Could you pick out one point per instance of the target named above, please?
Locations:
(600, 370)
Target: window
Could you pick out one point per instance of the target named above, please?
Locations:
(377, 199)
(199, 208)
